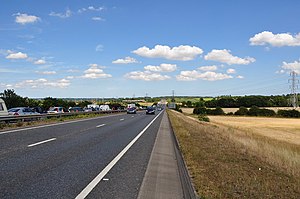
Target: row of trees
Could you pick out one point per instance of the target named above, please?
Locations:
(253, 111)
(242, 101)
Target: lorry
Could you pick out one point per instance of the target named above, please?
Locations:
(3, 109)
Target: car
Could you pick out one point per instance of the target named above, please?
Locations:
(3, 109)
(38, 109)
(131, 110)
(19, 111)
(150, 110)
(56, 110)
(75, 109)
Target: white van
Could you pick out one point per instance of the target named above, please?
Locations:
(3, 109)
(104, 108)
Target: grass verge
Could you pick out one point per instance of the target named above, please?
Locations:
(222, 167)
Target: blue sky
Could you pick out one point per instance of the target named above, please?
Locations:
(118, 48)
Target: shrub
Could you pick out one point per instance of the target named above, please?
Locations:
(255, 111)
(242, 111)
(199, 110)
(289, 113)
(203, 118)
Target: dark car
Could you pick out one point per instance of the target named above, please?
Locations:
(150, 110)
(75, 109)
(131, 110)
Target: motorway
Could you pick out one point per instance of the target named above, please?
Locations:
(78, 159)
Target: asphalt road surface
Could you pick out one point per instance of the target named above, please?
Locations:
(104, 157)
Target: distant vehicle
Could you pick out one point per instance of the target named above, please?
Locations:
(18, 111)
(150, 110)
(37, 109)
(104, 108)
(130, 105)
(75, 109)
(131, 110)
(3, 109)
(88, 109)
(95, 107)
(56, 110)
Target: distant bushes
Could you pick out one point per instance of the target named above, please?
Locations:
(243, 111)
(289, 113)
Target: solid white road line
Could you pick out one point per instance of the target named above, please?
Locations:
(100, 125)
(122, 119)
(100, 176)
(42, 142)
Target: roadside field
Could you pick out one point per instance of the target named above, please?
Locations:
(233, 110)
(282, 129)
(231, 160)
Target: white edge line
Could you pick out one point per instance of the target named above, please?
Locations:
(100, 125)
(48, 125)
(99, 177)
(42, 142)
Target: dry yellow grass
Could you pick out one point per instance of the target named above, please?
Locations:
(231, 162)
(282, 129)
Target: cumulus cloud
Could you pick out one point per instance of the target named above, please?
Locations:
(225, 56)
(208, 75)
(146, 76)
(43, 83)
(39, 62)
(25, 19)
(293, 66)
(94, 72)
(182, 52)
(18, 55)
(126, 60)
(208, 68)
(161, 68)
(91, 8)
(240, 77)
(47, 72)
(278, 40)
(67, 14)
(231, 71)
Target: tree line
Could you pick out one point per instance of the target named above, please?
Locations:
(242, 101)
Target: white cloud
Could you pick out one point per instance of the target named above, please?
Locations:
(208, 75)
(99, 48)
(91, 8)
(95, 72)
(278, 40)
(47, 72)
(182, 52)
(127, 60)
(208, 68)
(25, 19)
(67, 14)
(293, 66)
(224, 56)
(146, 76)
(98, 19)
(42, 83)
(161, 68)
(18, 55)
(231, 71)
(40, 62)
(240, 77)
